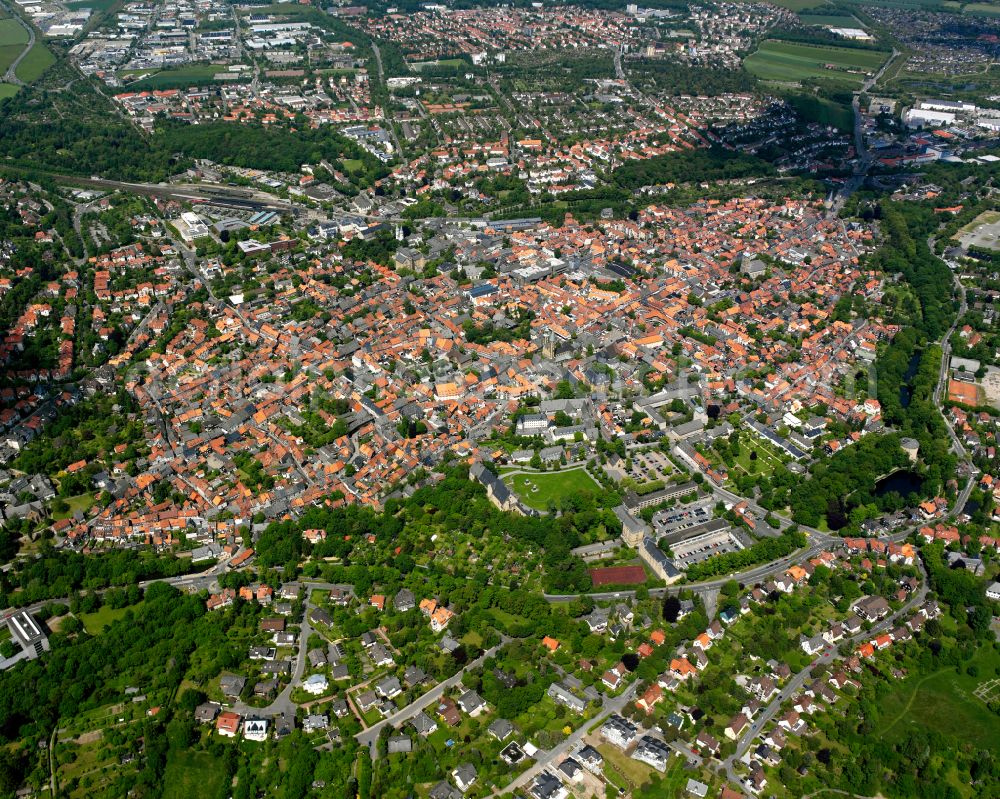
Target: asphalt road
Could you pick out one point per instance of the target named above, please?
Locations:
(369, 737)
(553, 756)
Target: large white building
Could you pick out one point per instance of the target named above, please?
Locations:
(920, 117)
(191, 226)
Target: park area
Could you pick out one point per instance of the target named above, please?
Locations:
(791, 62)
(767, 456)
(541, 490)
(948, 701)
(94, 623)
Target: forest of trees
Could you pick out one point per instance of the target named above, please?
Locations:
(906, 227)
(842, 489)
(678, 78)
(37, 133)
(489, 332)
(696, 165)
(57, 574)
(845, 480)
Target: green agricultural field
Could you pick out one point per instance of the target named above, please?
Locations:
(35, 63)
(12, 32)
(96, 6)
(831, 20)
(7, 90)
(8, 54)
(981, 10)
(538, 490)
(791, 62)
(800, 5)
(926, 5)
(945, 702)
(192, 774)
(823, 110)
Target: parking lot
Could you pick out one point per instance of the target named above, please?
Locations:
(983, 232)
(650, 465)
(702, 548)
(674, 520)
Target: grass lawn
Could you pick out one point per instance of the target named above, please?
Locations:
(551, 486)
(12, 32)
(508, 619)
(94, 622)
(7, 90)
(453, 63)
(353, 164)
(35, 63)
(985, 218)
(767, 459)
(192, 774)
(81, 502)
(86, 761)
(636, 774)
(168, 78)
(787, 61)
(944, 701)
(675, 779)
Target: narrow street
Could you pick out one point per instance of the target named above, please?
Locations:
(797, 681)
(554, 756)
(369, 737)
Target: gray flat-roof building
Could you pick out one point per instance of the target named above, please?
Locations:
(29, 634)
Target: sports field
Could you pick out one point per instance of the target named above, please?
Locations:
(446, 63)
(538, 490)
(190, 75)
(792, 62)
